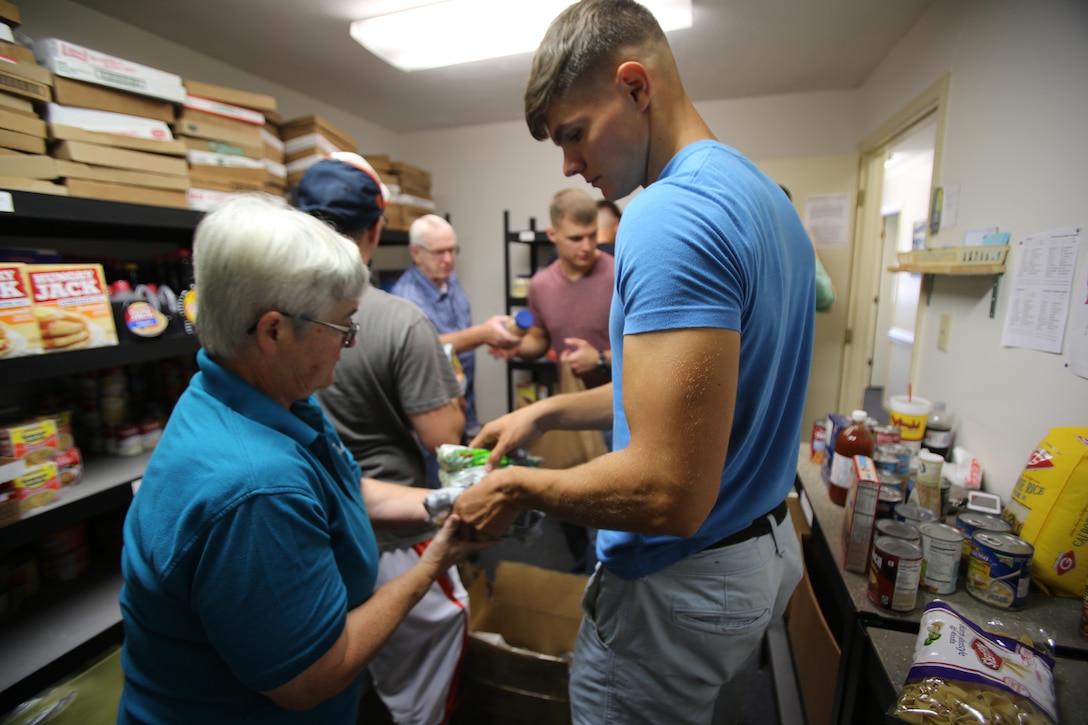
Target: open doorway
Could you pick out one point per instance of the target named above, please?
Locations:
(908, 177)
(883, 306)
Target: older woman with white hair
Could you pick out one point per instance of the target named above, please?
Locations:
(249, 559)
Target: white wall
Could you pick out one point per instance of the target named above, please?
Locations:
(479, 171)
(1015, 144)
(81, 25)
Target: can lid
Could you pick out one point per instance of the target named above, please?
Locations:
(941, 532)
(898, 547)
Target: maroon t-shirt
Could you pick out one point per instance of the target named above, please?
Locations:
(575, 308)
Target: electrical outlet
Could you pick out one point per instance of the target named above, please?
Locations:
(944, 334)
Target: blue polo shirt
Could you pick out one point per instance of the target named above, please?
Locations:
(244, 549)
(449, 311)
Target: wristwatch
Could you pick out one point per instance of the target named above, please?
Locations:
(602, 366)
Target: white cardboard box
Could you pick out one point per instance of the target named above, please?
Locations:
(83, 64)
(120, 124)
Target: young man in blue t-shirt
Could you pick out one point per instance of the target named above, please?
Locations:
(711, 330)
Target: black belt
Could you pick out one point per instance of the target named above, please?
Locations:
(759, 527)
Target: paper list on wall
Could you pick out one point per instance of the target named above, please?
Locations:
(827, 218)
(1041, 284)
(1078, 326)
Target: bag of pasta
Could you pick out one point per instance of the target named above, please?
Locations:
(962, 673)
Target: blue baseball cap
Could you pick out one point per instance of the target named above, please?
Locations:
(345, 190)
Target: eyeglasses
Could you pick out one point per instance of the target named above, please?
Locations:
(350, 332)
(452, 251)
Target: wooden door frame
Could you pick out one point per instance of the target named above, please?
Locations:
(865, 271)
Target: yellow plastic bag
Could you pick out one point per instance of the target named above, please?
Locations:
(1049, 509)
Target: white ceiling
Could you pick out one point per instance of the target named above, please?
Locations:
(737, 49)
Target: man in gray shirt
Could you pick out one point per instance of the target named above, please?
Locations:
(395, 394)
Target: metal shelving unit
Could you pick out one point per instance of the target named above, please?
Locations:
(543, 369)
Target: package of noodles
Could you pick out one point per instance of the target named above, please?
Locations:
(962, 673)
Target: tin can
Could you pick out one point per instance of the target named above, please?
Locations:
(886, 501)
(898, 530)
(913, 514)
(895, 569)
(818, 442)
(941, 546)
(905, 455)
(886, 460)
(999, 572)
(891, 481)
(968, 522)
(887, 434)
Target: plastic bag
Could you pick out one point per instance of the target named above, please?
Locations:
(963, 673)
(461, 467)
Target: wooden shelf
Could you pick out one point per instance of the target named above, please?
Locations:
(953, 270)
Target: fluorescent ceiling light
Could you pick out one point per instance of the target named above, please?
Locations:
(462, 31)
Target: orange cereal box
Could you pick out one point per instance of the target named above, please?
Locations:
(19, 334)
(72, 306)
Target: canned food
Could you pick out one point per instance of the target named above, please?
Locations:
(901, 453)
(818, 442)
(887, 434)
(891, 480)
(886, 460)
(913, 514)
(968, 522)
(887, 500)
(898, 530)
(999, 572)
(941, 545)
(895, 569)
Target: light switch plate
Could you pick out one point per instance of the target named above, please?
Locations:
(944, 334)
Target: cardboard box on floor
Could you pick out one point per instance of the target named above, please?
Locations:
(815, 651)
(537, 611)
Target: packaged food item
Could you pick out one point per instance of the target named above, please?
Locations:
(968, 522)
(35, 441)
(938, 436)
(818, 441)
(461, 467)
(941, 546)
(19, 333)
(40, 485)
(72, 306)
(895, 569)
(962, 673)
(999, 571)
(861, 505)
(928, 481)
(520, 323)
(854, 440)
(1049, 509)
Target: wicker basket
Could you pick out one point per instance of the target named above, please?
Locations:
(954, 256)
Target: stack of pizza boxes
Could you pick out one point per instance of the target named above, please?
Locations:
(108, 129)
(233, 147)
(409, 189)
(22, 83)
(309, 139)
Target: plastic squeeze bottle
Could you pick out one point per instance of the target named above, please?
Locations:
(853, 440)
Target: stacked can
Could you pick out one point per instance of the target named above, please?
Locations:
(968, 522)
(999, 572)
(941, 547)
(895, 569)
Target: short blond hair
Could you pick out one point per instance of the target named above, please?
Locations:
(573, 204)
(584, 40)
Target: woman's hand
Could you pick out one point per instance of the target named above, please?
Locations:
(447, 548)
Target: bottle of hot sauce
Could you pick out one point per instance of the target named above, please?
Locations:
(854, 440)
